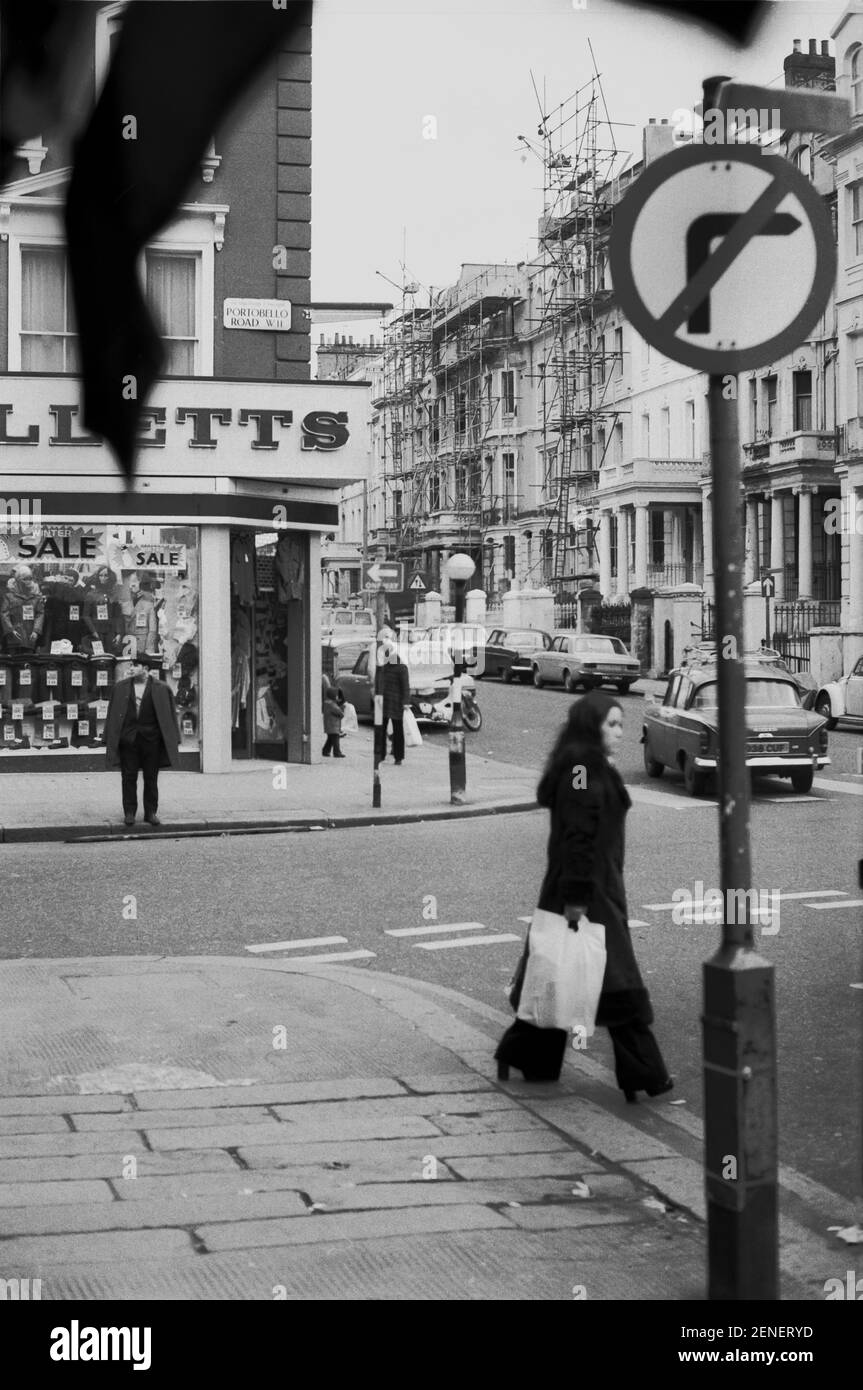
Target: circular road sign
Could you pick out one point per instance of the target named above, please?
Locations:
(722, 257)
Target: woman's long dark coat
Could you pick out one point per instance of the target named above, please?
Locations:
(588, 804)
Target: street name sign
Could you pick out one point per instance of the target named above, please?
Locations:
(722, 257)
(384, 574)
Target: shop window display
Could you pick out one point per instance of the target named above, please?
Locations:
(76, 604)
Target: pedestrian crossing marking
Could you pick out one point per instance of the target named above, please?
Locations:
(849, 902)
(298, 945)
(815, 893)
(464, 941)
(430, 931)
(331, 956)
(636, 922)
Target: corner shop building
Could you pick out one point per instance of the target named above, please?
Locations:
(209, 570)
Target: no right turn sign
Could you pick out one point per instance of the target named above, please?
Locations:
(722, 257)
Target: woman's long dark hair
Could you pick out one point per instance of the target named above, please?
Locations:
(579, 741)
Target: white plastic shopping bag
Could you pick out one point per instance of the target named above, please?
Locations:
(350, 723)
(565, 969)
(413, 737)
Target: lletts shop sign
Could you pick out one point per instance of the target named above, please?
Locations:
(204, 427)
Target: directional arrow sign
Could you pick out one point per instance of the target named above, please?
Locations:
(768, 586)
(384, 574)
(722, 257)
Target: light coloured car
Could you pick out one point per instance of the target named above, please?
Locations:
(430, 688)
(843, 699)
(340, 625)
(584, 661)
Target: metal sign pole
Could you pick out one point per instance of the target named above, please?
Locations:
(738, 1019)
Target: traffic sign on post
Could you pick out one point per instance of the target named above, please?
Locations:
(384, 574)
(417, 582)
(722, 257)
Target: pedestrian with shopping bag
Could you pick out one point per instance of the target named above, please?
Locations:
(393, 683)
(583, 884)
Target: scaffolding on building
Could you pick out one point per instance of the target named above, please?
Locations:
(577, 363)
(436, 410)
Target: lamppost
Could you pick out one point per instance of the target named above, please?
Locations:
(459, 569)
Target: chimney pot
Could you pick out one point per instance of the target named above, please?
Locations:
(796, 45)
(665, 120)
(825, 49)
(813, 47)
(652, 121)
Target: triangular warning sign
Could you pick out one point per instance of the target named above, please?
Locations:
(417, 582)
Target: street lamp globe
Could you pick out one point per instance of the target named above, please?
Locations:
(459, 567)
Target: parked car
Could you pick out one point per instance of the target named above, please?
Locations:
(431, 691)
(340, 625)
(702, 653)
(584, 660)
(509, 652)
(439, 646)
(682, 732)
(842, 699)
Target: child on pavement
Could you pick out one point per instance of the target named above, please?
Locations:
(333, 713)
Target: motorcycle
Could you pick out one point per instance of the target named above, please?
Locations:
(437, 708)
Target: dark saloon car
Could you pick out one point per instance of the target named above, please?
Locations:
(782, 738)
(509, 651)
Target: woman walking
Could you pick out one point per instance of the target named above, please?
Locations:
(588, 803)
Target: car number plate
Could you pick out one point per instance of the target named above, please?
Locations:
(755, 747)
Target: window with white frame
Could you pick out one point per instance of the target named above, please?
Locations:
(109, 22)
(645, 435)
(618, 354)
(507, 392)
(618, 441)
(47, 335)
(857, 81)
(690, 429)
(665, 423)
(509, 498)
(859, 371)
(172, 290)
(803, 160)
(857, 218)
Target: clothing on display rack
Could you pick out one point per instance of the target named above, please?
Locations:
(243, 568)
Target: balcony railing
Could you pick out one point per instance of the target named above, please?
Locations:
(667, 576)
(801, 445)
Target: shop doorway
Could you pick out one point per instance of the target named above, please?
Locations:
(269, 646)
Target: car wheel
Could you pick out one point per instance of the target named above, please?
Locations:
(693, 780)
(651, 766)
(505, 672)
(537, 678)
(825, 709)
(802, 779)
(623, 687)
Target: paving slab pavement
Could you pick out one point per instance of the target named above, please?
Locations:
(263, 795)
(215, 1129)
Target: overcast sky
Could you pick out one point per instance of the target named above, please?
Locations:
(380, 67)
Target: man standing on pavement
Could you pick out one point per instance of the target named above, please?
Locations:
(141, 735)
(392, 681)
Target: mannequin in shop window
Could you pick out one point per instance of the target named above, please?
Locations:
(22, 611)
(65, 599)
(142, 623)
(102, 616)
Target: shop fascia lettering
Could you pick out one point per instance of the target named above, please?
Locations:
(324, 430)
